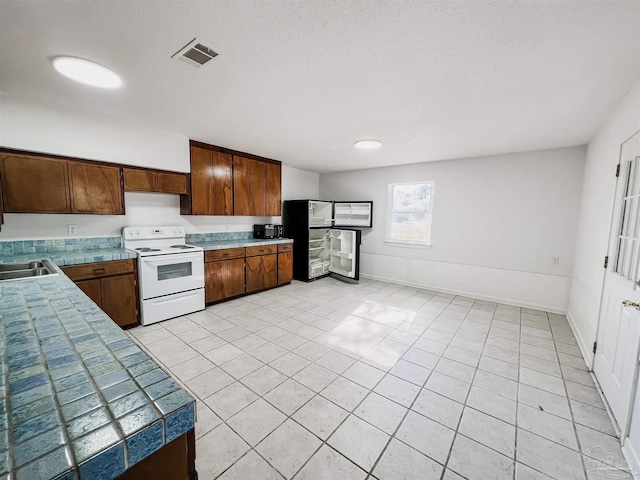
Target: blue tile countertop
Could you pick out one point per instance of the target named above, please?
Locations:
(247, 242)
(79, 399)
(69, 251)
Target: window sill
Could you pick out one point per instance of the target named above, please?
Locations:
(421, 246)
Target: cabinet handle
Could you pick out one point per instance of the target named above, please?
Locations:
(225, 254)
(98, 270)
(261, 250)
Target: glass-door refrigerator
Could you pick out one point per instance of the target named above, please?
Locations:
(319, 247)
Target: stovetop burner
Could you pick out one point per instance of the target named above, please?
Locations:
(147, 249)
(182, 247)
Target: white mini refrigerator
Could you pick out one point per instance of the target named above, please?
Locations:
(319, 247)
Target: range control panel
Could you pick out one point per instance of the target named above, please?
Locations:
(144, 233)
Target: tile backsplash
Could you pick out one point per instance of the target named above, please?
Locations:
(59, 245)
(217, 236)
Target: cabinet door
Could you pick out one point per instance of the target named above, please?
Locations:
(241, 186)
(201, 182)
(254, 274)
(257, 191)
(222, 184)
(214, 281)
(172, 183)
(274, 201)
(285, 267)
(234, 281)
(95, 189)
(270, 269)
(119, 299)
(92, 289)
(34, 184)
(139, 180)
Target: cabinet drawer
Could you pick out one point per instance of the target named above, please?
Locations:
(98, 269)
(226, 254)
(261, 250)
(285, 247)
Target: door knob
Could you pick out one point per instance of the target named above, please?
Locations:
(629, 303)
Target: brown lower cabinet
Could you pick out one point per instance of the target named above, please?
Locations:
(223, 279)
(235, 271)
(111, 285)
(285, 267)
(174, 461)
(262, 272)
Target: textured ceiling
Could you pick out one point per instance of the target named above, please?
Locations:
(300, 81)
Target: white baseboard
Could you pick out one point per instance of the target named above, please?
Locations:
(586, 347)
(507, 301)
(632, 457)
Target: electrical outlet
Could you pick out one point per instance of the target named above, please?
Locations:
(73, 229)
(555, 261)
(226, 227)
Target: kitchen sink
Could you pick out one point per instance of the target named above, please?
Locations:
(14, 271)
(10, 267)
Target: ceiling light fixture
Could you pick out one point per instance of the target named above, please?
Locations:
(86, 71)
(368, 144)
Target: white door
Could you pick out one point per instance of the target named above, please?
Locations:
(616, 359)
(166, 274)
(343, 252)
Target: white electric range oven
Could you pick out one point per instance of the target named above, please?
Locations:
(170, 272)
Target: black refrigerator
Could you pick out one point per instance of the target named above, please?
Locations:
(324, 242)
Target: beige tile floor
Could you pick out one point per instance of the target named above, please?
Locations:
(329, 380)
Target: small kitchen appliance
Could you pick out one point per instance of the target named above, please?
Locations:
(267, 230)
(170, 272)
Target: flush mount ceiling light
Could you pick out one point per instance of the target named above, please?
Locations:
(368, 144)
(85, 71)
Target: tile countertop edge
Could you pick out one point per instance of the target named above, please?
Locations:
(250, 242)
(85, 398)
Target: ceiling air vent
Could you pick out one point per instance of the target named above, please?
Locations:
(194, 54)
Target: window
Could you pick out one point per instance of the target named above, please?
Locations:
(409, 213)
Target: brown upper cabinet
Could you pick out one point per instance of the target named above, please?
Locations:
(211, 182)
(224, 182)
(257, 188)
(172, 183)
(145, 180)
(273, 186)
(95, 189)
(34, 184)
(140, 180)
(241, 186)
(249, 186)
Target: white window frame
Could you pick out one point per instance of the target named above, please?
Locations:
(405, 243)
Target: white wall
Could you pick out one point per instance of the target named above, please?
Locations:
(497, 223)
(595, 216)
(299, 184)
(54, 129)
(51, 129)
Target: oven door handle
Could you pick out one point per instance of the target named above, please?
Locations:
(169, 259)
